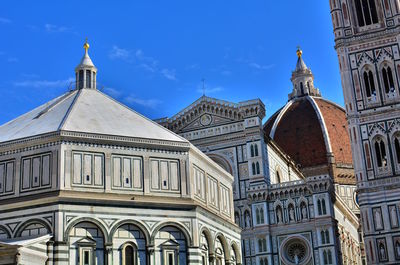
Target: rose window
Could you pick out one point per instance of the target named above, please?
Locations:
(295, 250)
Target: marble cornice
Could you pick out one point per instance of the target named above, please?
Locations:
(51, 139)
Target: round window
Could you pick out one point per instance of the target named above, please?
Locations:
(295, 250)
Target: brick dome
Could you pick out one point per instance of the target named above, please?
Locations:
(312, 131)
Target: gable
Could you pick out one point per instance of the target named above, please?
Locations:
(206, 120)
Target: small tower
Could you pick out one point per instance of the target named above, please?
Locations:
(302, 79)
(86, 72)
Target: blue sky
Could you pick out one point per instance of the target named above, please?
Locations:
(152, 55)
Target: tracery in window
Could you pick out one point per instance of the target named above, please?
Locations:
(380, 152)
(327, 255)
(325, 237)
(321, 206)
(262, 245)
(369, 84)
(366, 12)
(388, 81)
(260, 215)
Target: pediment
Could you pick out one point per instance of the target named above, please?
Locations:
(170, 243)
(86, 241)
(206, 120)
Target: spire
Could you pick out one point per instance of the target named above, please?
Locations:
(301, 65)
(302, 79)
(86, 71)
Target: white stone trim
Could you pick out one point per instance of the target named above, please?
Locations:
(278, 119)
(322, 123)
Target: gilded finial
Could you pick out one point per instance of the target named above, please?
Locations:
(299, 52)
(86, 45)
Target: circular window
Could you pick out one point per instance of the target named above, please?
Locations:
(295, 250)
(205, 119)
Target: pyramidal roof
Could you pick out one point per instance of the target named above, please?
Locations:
(86, 110)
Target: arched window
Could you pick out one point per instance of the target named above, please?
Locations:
(257, 216)
(262, 245)
(380, 152)
(325, 255)
(261, 215)
(329, 257)
(327, 239)
(323, 237)
(323, 206)
(252, 150)
(256, 150)
(319, 207)
(301, 88)
(366, 12)
(129, 254)
(369, 83)
(388, 82)
(258, 168)
(397, 149)
(253, 168)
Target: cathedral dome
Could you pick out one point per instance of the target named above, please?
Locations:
(311, 129)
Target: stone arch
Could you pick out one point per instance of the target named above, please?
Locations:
(89, 234)
(175, 224)
(94, 221)
(236, 250)
(222, 162)
(5, 232)
(225, 247)
(138, 224)
(204, 230)
(129, 233)
(24, 225)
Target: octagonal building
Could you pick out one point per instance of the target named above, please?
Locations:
(86, 180)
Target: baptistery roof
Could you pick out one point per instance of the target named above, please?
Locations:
(86, 110)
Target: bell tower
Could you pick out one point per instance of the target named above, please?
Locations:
(86, 72)
(367, 38)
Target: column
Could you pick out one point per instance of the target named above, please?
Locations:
(108, 253)
(150, 255)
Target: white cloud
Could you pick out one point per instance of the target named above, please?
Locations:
(119, 53)
(149, 103)
(44, 83)
(169, 74)
(112, 92)
(261, 67)
(145, 62)
(5, 20)
(54, 28)
(210, 90)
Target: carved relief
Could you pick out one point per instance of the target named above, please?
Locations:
(378, 221)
